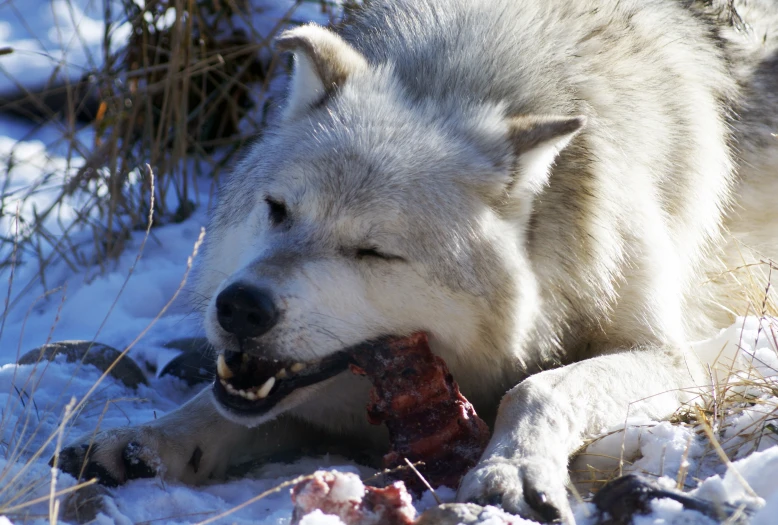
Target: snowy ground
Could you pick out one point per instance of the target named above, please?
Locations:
(85, 304)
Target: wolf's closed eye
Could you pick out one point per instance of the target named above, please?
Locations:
(373, 253)
(277, 211)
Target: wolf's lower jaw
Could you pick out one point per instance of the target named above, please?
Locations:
(249, 385)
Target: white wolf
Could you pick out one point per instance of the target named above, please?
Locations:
(541, 186)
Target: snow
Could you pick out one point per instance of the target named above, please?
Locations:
(64, 38)
(59, 37)
(754, 473)
(114, 309)
(668, 511)
(347, 488)
(317, 517)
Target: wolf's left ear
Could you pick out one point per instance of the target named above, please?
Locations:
(323, 62)
(537, 140)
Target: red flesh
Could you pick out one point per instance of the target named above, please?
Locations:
(428, 419)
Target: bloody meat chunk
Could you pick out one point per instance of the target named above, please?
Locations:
(342, 494)
(428, 419)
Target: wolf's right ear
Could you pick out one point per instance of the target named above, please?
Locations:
(323, 62)
(536, 142)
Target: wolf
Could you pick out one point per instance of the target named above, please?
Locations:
(542, 187)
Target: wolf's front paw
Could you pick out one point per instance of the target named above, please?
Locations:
(535, 491)
(118, 455)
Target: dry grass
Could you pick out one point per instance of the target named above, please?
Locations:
(189, 88)
(738, 388)
(192, 85)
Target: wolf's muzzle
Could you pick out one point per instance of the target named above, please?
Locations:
(245, 311)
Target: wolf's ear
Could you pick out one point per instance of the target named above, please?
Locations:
(323, 62)
(537, 140)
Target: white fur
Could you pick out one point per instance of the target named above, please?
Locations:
(305, 87)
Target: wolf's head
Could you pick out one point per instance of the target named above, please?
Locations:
(369, 211)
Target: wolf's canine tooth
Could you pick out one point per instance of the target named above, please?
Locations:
(222, 369)
(265, 390)
(281, 374)
(296, 367)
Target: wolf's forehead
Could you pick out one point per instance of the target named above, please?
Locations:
(347, 183)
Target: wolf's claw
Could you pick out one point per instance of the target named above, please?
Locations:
(135, 466)
(541, 504)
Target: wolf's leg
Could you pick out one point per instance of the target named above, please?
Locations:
(546, 418)
(191, 444)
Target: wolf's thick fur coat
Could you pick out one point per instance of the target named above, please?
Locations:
(553, 180)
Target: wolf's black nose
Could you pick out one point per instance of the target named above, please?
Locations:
(245, 311)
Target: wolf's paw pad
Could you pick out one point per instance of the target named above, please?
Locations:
(517, 489)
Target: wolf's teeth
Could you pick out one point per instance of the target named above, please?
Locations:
(266, 388)
(245, 394)
(281, 374)
(296, 367)
(229, 388)
(222, 369)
